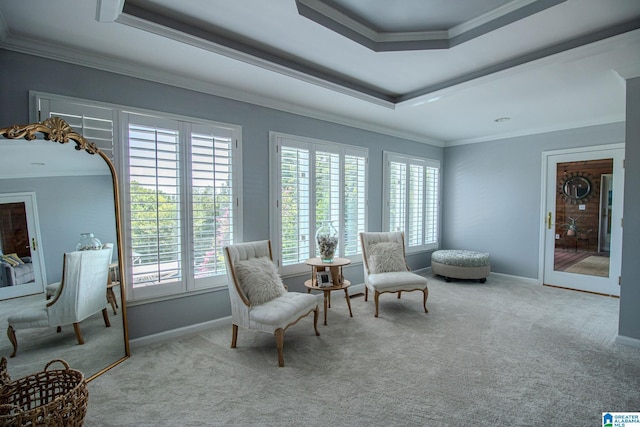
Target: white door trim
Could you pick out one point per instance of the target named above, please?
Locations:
(37, 260)
(543, 193)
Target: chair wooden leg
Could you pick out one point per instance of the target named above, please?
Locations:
(424, 302)
(399, 294)
(76, 327)
(11, 333)
(105, 316)
(316, 314)
(366, 293)
(111, 299)
(234, 335)
(279, 333)
(59, 329)
(376, 297)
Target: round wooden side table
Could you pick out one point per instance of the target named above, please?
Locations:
(333, 280)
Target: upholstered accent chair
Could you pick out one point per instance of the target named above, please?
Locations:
(52, 288)
(386, 269)
(259, 300)
(81, 294)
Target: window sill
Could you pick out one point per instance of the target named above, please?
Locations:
(155, 299)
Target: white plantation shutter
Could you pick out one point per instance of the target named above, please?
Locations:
(211, 198)
(154, 200)
(415, 206)
(354, 202)
(315, 182)
(411, 196)
(295, 209)
(181, 180)
(96, 124)
(431, 204)
(327, 189)
(397, 193)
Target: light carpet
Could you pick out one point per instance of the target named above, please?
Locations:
(503, 353)
(593, 265)
(38, 346)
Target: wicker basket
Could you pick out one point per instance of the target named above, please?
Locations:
(53, 397)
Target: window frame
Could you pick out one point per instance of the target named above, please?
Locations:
(276, 140)
(424, 163)
(188, 283)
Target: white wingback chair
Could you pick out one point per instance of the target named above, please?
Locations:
(52, 288)
(386, 269)
(80, 295)
(259, 301)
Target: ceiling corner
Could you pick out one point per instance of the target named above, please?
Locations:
(109, 10)
(630, 71)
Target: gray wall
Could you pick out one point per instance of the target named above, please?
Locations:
(68, 206)
(492, 194)
(630, 285)
(20, 73)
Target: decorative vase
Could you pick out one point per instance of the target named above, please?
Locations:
(327, 239)
(88, 242)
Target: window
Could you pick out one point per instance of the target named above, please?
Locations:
(314, 182)
(180, 191)
(411, 197)
(182, 202)
(91, 121)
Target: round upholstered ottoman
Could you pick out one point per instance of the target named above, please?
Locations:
(461, 264)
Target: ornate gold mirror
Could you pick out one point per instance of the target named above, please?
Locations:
(54, 186)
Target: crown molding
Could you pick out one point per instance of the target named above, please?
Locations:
(325, 14)
(630, 71)
(490, 16)
(164, 26)
(108, 10)
(535, 131)
(572, 50)
(153, 23)
(88, 59)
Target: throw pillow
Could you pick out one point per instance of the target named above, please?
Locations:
(12, 259)
(385, 257)
(259, 280)
(16, 258)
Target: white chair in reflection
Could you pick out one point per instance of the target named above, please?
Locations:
(81, 294)
(259, 300)
(113, 280)
(386, 269)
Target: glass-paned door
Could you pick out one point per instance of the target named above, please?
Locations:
(583, 220)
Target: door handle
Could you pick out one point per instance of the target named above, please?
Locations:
(549, 220)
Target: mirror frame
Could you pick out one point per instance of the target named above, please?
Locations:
(572, 181)
(57, 130)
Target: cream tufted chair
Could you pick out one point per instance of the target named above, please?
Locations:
(386, 269)
(80, 295)
(259, 301)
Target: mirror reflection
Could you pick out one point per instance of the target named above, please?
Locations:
(577, 187)
(583, 217)
(50, 195)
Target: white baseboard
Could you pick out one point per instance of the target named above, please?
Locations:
(211, 324)
(520, 279)
(356, 289)
(179, 332)
(628, 341)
